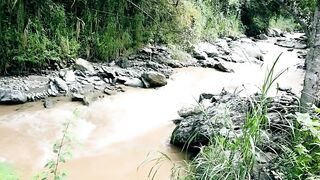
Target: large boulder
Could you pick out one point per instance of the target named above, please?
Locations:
(84, 65)
(195, 129)
(12, 96)
(153, 79)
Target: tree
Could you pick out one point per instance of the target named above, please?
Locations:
(311, 88)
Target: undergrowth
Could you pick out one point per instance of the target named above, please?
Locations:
(38, 34)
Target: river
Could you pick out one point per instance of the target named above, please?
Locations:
(116, 133)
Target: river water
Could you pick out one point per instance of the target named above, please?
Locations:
(115, 134)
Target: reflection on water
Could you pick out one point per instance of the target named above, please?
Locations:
(116, 133)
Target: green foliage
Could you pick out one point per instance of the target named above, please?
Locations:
(302, 159)
(219, 20)
(256, 14)
(7, 172)
(39, 33)
(285, 24)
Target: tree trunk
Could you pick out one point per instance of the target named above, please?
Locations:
(311, 88)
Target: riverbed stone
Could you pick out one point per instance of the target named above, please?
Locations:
(221, 67)
(8, 96)
(200, 55)
(153, 79)
(69, 76)
(84, 65)
(134, 82)
(77, 97)
(61, 84)
(48, 103)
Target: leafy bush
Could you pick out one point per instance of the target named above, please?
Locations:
(7, 172)
(302, 159)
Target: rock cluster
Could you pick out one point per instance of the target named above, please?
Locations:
(225, 116)
(149, 68)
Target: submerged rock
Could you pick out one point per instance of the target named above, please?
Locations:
(48, 103)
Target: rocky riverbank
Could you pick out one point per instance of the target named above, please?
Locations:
(224, 115)
(149, 68)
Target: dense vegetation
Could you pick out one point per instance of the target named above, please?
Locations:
(48, 33)
(40, 33)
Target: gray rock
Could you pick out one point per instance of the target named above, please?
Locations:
(89, 99)
(109, 72)
(277, 32)
(83, 65)
(200, 55)
(109, 92)
(196, 129)
(48, 103)
(207, 96)
(153, 79)
(246, 50)
(146, 50)
(69, 76)
(61, 84)
(263, 37)
(274, 32)
(210, 49)
(286, 44)
(222, 68)
(77, 97)
(134, 82)
(12, 96)
(189, 111)
(284, 88)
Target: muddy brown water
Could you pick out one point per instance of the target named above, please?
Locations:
(116, 133)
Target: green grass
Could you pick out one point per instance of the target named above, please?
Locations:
(7, 172)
